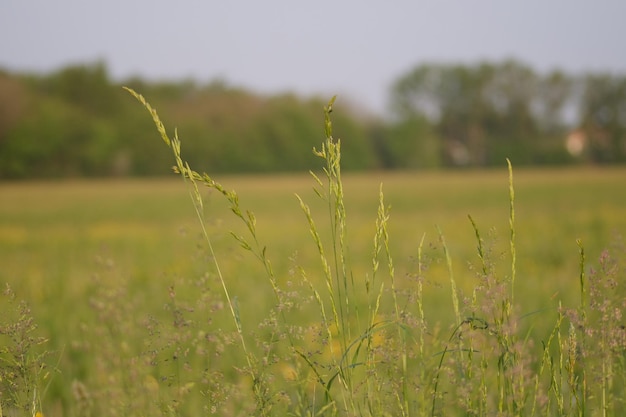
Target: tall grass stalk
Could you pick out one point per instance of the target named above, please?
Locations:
(581, 397)
(512, 230)
(259, 383)
(351, 332)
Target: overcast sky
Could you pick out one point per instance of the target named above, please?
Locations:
(354, 48)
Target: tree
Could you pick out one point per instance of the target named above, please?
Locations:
(603, 117)
(13, 104)
(411, 143)
(486, 112)
(86, 86)
(452, 99)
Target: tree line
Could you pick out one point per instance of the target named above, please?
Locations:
(77, 121)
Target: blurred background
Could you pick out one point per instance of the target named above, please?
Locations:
(421, 85)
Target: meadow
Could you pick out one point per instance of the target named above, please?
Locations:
(390, 302)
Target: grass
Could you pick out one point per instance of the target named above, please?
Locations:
(366, 301)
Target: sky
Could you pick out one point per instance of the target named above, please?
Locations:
(353, 48)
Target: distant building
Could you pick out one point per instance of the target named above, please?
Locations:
(575, 142)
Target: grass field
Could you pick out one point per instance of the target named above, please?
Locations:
(51, 234)
(116, 272)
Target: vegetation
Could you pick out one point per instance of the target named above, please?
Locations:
(487, 112)
(377, 319)
(78, 122)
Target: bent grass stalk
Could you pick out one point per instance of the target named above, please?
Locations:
(182, 168)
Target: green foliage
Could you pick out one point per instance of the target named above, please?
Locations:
(84, 86)
(412, 143)
(604, 117)
(487, 112)
(23, 370)
(78, 122)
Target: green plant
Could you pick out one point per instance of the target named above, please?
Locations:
(24, 375)
(370, 348)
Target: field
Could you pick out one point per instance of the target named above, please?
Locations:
(121, 283)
